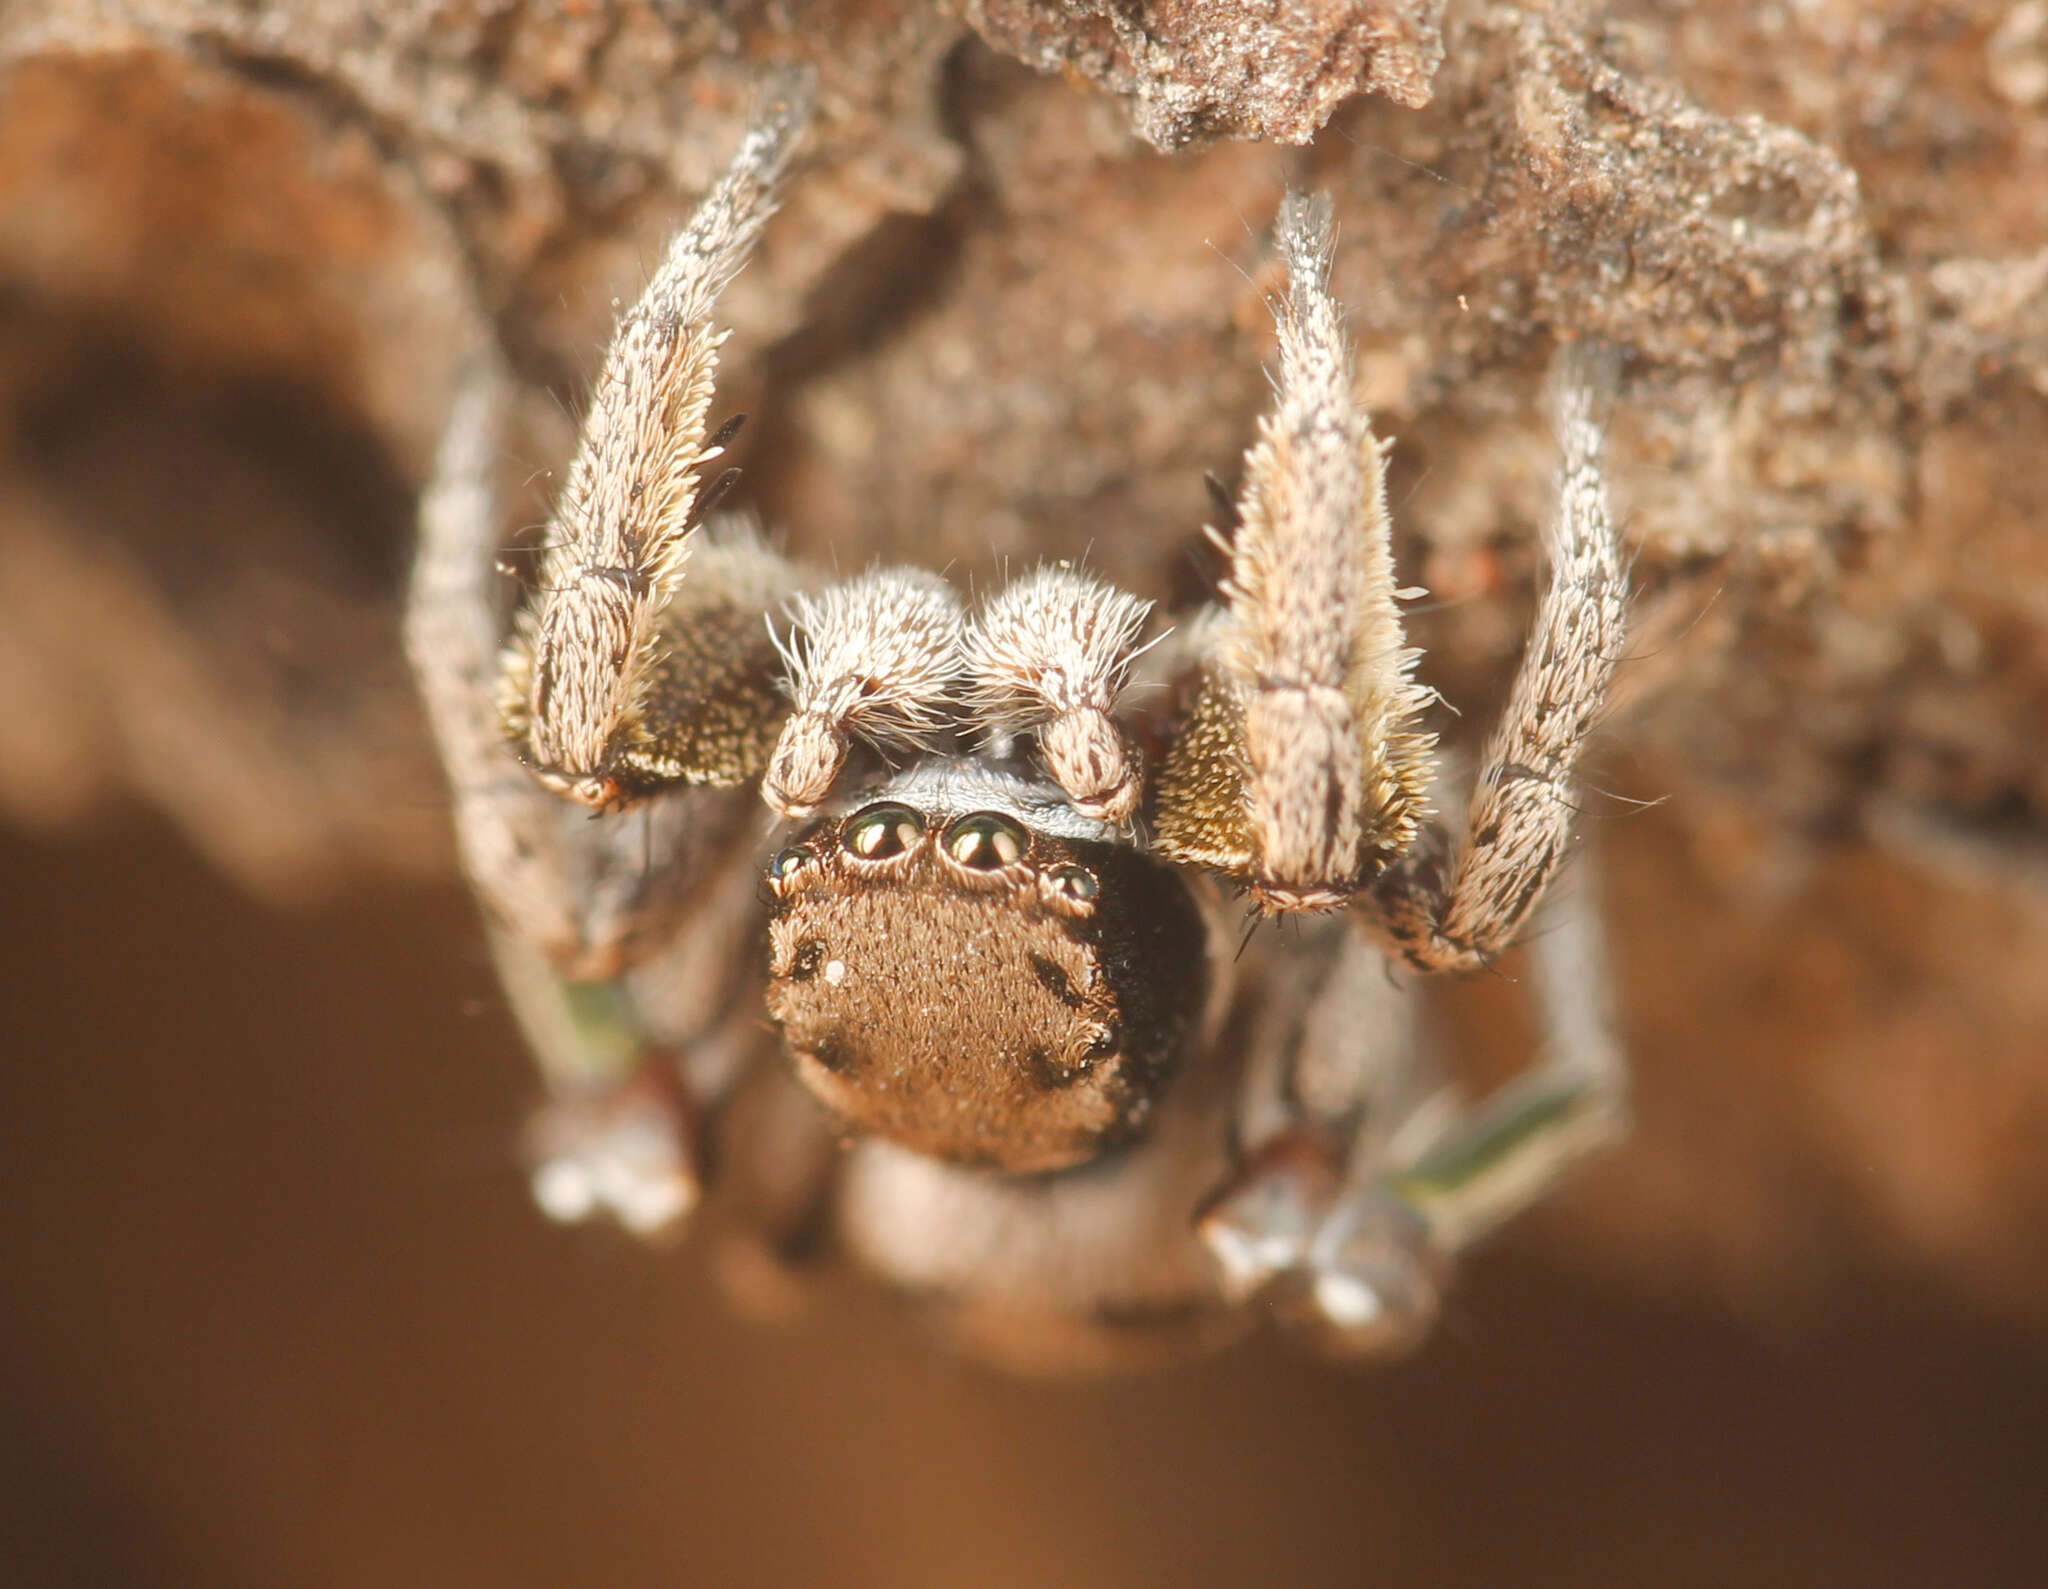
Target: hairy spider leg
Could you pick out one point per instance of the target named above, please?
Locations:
(1517, 830)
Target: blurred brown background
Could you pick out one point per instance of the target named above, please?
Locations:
(276, 1310)
(279, 1313)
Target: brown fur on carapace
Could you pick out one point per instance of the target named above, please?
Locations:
(982, 1018)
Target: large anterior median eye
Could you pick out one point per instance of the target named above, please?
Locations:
(881, 831)
(987, 841)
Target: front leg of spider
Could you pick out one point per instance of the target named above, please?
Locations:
(622, 683)
(1517, 831)
(1301, 773)
(599, 692)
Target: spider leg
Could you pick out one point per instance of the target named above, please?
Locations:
(582, 911)
(504, 821)
(1309, 1220)
(1352, 1240)
(611, 1138)
(1495, 1157)
(1458, 916)
(1299, 771)
(622, 684)
(591, 663)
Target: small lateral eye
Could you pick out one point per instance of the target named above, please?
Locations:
(789, 862)
(1075, 883)
(881, 831)
(986, 841)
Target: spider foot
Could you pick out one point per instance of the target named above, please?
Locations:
(1372, 1278)
(1263, 1223)
(1351, 1266)
(622, 1155)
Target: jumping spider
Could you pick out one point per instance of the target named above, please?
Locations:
(1064, 1097)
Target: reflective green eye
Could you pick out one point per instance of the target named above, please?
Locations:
(881, 831)
(987, 841)
(1072, 882)
(791, 861)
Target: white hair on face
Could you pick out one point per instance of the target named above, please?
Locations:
(1055, 641)
(878, 656)
(1051, 652)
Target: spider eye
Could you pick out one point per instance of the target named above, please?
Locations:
(882, 831)
(791, 861)
(986, 841)
(1075, 883)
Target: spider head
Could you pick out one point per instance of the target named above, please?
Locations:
(963, 964)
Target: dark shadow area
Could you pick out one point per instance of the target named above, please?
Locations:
(206, 475)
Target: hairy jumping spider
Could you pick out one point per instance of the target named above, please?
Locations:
(1063, 1098)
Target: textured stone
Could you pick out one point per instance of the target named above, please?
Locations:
(1194, 70)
